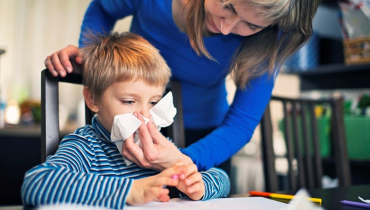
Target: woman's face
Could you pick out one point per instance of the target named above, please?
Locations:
(236, 18)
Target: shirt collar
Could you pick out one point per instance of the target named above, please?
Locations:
(103, 133)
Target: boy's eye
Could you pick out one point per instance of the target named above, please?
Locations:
(153, 103)
(128, 102)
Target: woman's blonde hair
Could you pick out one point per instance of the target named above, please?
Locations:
(266, 50)
(120, 57)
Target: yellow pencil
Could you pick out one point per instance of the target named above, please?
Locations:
(282, 196)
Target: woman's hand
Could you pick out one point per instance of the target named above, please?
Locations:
(59, 62)
(191, 183)
(151, 188)
(156, 153)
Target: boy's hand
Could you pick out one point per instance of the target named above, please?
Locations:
(151, 188)
(191, 183)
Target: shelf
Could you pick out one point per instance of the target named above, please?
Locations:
(335, 76)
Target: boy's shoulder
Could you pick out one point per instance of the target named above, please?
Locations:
(84, 134)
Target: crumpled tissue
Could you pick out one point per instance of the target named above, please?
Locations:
(300, 202)
(124, 125)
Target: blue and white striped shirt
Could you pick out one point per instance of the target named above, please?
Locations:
(88, 169)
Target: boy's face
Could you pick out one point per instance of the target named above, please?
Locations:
(126, 97)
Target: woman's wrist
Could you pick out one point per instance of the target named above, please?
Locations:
(186, 159)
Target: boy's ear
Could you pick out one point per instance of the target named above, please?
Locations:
(90, 102)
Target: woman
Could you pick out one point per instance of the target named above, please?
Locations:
(203, 41)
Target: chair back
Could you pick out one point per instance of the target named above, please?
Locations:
(50, 134)
(299, 139)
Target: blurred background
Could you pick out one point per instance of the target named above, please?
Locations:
(32, 29)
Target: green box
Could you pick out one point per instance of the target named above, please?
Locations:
(323, 129)
(357, 130)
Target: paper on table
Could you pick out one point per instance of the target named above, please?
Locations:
(243, 203)
(124, 125)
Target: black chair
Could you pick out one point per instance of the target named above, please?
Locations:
(50, 134)
(309, 163)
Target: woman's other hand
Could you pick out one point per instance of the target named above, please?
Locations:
(157, 152)
(151, 188)
(64, 61)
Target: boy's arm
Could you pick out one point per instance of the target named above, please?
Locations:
(216, 182)
(65, 178)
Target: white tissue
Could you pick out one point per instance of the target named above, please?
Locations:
(124, 125)
(363, 200)
(300, 202)
(164, 111)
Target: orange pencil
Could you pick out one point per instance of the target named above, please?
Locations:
(281, 196)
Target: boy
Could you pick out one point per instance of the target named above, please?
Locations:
(123, 73)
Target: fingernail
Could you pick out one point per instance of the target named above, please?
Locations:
(135, 114)
(69, 69)
(175, 176)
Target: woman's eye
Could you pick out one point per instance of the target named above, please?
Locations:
(153, 103)
(227, 6)
(128, 102)
(253, 28)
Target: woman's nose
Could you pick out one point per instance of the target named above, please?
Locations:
(227, 25)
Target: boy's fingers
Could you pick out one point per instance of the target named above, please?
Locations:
(175, 170)
(194, 187)
(163, 194)
(192, 169)
(168, 181)
(164, 197)
(193, 178)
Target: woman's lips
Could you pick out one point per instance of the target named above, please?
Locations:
(213, 26)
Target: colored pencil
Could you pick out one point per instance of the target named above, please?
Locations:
(281, 196)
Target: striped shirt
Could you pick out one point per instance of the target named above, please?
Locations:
(88, 169)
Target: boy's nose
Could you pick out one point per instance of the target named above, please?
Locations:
(145, 112)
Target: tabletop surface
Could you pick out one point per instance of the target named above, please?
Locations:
(330, 197)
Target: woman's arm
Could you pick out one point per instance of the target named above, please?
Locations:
(100, 17)
(237, 127)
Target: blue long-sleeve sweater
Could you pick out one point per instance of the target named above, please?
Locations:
(89, 169)
(203, 80)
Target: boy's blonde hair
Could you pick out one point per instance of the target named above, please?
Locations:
(119, 57)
